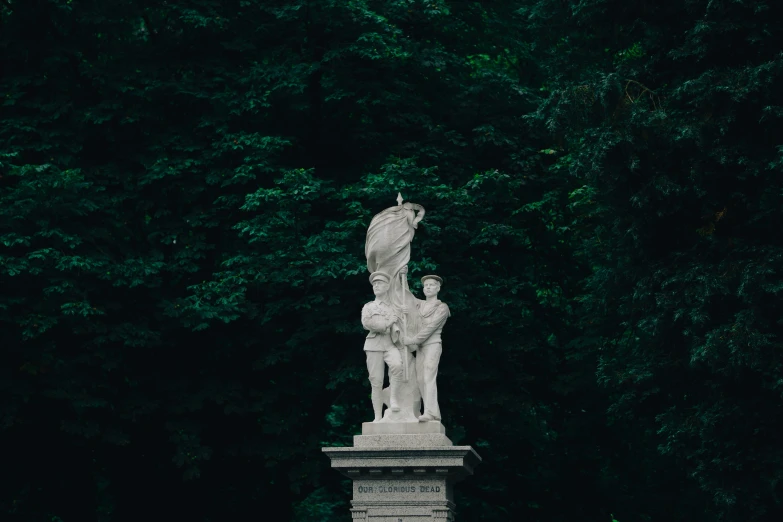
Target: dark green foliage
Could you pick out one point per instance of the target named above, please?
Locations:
(675, 138)
(184, 193)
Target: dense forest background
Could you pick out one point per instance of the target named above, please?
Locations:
(184, 192)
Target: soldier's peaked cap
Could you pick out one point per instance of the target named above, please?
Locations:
(434, 277)
(375, 276)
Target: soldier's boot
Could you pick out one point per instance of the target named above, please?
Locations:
(377, 403)
(394, 394)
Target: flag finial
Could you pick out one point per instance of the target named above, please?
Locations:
(399, 199)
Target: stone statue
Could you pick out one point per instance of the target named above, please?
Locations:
(388, 252)
(382, 344)
(402, 466)
(428, 345)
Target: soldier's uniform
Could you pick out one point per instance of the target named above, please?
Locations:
(379, 318)
(434, 315)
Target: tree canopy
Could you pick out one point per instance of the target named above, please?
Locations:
(185, 189)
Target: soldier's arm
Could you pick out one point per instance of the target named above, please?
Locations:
(439, 319)
(372, 320)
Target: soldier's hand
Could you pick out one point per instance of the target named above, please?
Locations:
(405, 309)
(404, 270)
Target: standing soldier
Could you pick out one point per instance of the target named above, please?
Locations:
(379, 318)
(433, 314)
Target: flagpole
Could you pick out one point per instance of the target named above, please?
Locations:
(404, 350)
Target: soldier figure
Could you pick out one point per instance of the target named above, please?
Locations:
(434, 314)
(379, 318)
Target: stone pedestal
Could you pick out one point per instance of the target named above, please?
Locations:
(403, 472)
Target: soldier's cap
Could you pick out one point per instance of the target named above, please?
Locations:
(375, 276)
(436, 278)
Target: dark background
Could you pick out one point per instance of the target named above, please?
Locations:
(184, 192)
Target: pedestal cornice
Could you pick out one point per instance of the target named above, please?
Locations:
(455, 462)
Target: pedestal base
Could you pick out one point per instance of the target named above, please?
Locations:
(409, 428)
(403, 477)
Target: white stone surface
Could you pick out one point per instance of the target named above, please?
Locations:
(428, 345)
(403, 466)
(387, 248)
(402, 428)
(409, 484)
(454, 461)
(409, 398)
(420, 440)
(400, 324)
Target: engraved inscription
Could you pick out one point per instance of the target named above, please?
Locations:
(384, 488)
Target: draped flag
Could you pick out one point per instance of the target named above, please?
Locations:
(388, 249)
